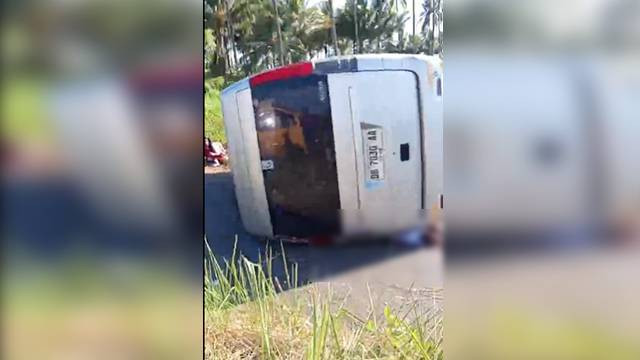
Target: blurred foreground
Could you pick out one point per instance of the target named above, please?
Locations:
(542, 179)
(102, 179)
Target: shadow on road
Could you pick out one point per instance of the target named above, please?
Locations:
(223, 224)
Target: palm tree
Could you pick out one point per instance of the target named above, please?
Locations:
(261, 34)
(297, 32)
(281, 49)
(215, 20)
(225, 20)
(334, 34)
(413, 17)
(306, 29)
(387, 21)
(371, 25)
(257, 37)
(241, 23)
(408, 45)
(432, 19)
(396, 5)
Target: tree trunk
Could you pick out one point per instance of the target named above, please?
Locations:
(432, 29)
(229, 29)
(222, 53)
(413, 17)
(227, 59)
(355, 23)
(235, 52)
(280, 42)
(334, 35)
(233, 45)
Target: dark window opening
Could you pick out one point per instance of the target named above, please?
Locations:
(295, 132)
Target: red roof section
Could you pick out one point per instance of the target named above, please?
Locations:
(286, 72)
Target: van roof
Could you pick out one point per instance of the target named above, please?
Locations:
(345, 63)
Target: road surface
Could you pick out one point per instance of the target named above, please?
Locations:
(354, 265)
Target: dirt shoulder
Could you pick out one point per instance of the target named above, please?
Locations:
(216, 169)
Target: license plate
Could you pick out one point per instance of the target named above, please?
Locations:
(267, 165)
(374, 159)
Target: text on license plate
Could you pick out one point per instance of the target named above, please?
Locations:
(373, 151)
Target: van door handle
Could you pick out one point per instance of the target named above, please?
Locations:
(404, 152)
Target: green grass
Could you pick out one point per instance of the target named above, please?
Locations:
(23, 109)
(213, 124)
(248, 315)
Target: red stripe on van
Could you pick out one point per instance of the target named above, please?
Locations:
(295, 70)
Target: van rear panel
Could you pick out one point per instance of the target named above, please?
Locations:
(379, 157)
(337, 146)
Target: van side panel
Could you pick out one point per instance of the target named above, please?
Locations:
(245, 160)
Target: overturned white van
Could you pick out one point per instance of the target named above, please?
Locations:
(346, 145)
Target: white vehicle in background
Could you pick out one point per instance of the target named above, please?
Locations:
(340, 146)
(540, 147)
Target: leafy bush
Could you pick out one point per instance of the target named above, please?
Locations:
(213, 124)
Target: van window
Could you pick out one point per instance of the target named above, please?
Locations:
(295, 132)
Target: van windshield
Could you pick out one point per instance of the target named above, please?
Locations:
(295, 137)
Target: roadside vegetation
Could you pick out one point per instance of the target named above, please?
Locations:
(244, 37)
(248, 36)
(251, 314)
(213, 124)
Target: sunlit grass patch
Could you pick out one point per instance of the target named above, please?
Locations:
(213, 124)
(249, 315)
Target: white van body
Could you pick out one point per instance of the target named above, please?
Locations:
(540, 145)
(360, 136)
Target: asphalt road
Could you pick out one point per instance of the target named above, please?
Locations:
(385, 263)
